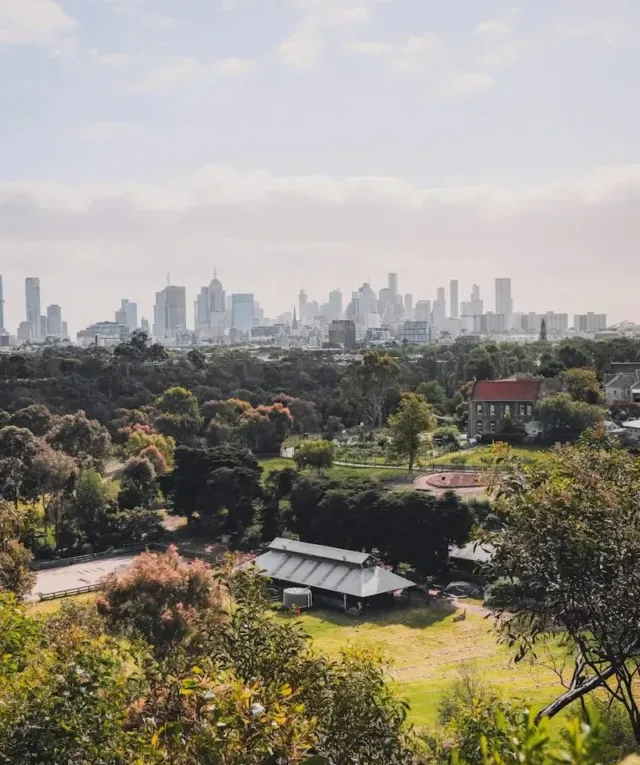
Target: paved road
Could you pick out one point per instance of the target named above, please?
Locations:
(79, 575)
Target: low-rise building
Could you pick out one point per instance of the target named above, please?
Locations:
(622, 383)
(103, 334)
(415, 333)
(494, 400)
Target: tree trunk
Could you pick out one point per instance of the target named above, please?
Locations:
(573, 694)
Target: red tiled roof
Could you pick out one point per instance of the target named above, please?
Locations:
(506, 390)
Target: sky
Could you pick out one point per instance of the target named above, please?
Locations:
(319, 144)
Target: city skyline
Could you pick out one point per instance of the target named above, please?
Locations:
(341, 141)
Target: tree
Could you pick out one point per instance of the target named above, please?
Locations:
(448, 437)
(571, 540)
(279, 484)
(159, 598)
(18, 449)
(156, 458)
(36, 418)
(138, 485)
(434, 394)
(304, 415)
(582, 384)
(314, 454)
(16, 575)
(563, 419)
(178, 401)
(412, 420)
(332, 427)
(369, 382)
(52, 473)
(85, 440)
(142, 437)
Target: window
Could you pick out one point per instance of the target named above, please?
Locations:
(523, 410)
(479, 427)
(492, 409)
(529, 410)
(492, 427)
(507, 408)
(478, 408)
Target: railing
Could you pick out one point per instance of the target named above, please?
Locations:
(69, 593)
(43, 565)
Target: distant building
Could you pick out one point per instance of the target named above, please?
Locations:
(65, 330)
(43, 327)
(25, 333)
(504, 302)
(408, 306)
(335, 305)
(242, 312)
(170, 314)
(422, 311)
(415, 333)
(453, 296)
(103, 334)
(392, 283)
(590, 322)
(32, 293)
(342, 333)
(1, 304)
(144, 326)
(54, 322)
(493, 400)
(128, 315)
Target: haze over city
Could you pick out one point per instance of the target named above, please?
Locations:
(318, 144)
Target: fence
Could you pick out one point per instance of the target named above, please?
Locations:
(69, 593)
(43, 565)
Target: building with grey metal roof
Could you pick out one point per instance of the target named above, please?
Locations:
(332, 570)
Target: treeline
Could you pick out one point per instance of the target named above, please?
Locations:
(101, 383)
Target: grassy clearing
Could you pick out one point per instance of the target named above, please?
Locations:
(377, 474)
(427, 650)
(476, 456)
(51, 606)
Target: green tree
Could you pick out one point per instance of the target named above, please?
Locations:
(178, 401)
(408, 425)
(87, 441)
(582, 384)
(36, 418)
(572, 540)
(564, 419)
(314, 454)
(369, 382)
(16, 575)
(18, 450)
(434, 394)
(138, 485)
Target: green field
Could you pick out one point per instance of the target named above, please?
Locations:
(476, 456)
(427, 649)
(279, 463)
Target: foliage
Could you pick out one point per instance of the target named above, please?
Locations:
(582, 384)
(35, 418)
(447, 437)
(369, 382)
(85, 440)
(138, 486)
(314, 454)
(564, 419)
(434, 394)
(572, 539)
(16, 575)
(411, 421)
(141, 437)
(159, 597)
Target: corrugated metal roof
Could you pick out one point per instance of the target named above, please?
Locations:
(474, 552)
(320, 551)
(336, 576)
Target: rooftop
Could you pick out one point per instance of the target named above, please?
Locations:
(507, 390)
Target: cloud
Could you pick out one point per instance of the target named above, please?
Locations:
(309, 228)
(35, 22)
(372, 47)
(101, 131)
(183, 71)
(465, 83)
(417, 54)
(607, 32)
(508, 53)
(115, 60)
(494, 29)
(303, 48)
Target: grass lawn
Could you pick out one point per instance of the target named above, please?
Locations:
(427, 650)
(279, 463)
(475, 457)
(51, 606)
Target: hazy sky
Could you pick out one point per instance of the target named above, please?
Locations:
(318, 143)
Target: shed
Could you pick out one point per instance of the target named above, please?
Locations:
(353, 577)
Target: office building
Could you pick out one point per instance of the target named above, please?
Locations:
(128, 315)
(590, 322)
(242, 312)
(408, 306)
(453, 296)
(1, 305)
(32, 293)
(415, 333)
(103, 334)
(439, 311)
(25, 333)
(170, 314)
(392, 283)
(43, 327)
(302, 306)
(335, 305)
(65, 330)
(504, 303)
(387, 305)
(54, 322)
(422, 310)
(144, 326)
(342, 333)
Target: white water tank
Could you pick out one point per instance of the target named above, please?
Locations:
(297, 597)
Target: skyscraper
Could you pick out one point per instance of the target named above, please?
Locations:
(504, 303)
(128, 315)
(302, 306)
(32, 291)
(393, 283)
(335, 304)
(453, 296)
(54, 321)
(1, 305)
(242, 312)
(408, 306)
(170, 313)
(475, 292)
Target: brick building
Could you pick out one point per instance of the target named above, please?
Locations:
(492, 400)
